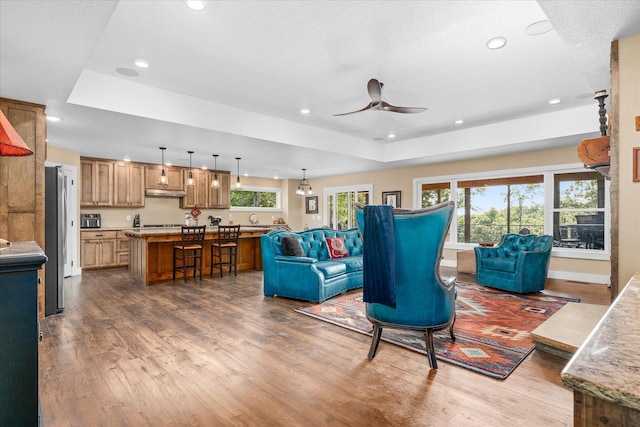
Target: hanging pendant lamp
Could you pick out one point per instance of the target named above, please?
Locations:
(163, 180)
(215, 183)
(304, 188)
(190, 181)
(238, 183)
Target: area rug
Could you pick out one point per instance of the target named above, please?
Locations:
(492, 327)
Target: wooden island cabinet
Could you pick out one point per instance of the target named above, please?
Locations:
(151, 251)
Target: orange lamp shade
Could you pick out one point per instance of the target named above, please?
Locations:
(10, 142)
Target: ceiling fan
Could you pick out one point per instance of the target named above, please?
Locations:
(374, 87)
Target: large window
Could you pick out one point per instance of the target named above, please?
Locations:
(256, 198)
(569, 204)
(340, 205)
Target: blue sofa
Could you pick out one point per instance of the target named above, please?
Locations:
(520, 263)
(315, 276)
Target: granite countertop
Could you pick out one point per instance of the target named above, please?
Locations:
(607, 363)
(26, 252)
(159, 231)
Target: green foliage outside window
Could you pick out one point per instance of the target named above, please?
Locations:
(253, 199)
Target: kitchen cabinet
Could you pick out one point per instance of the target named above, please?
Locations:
(128, 184)
(98, 249)
(19, 266)
(174, 175)
(220, 197)
(22, 180)
(122, 249)
(96, 182)
(197, 194)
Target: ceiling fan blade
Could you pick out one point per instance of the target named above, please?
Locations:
(368, 107)
(406, 110)
(374, 87)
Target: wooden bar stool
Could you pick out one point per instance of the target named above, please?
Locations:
(226, 242)
(187, 255)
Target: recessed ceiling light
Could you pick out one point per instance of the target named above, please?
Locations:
(53, 118)
(246, 174)
(496, 43)
(204, 168)
(142, 63)
(126, 159)
(391, 135)
(305, 111)
(168, 163)
(555, 101)
(459, 122)
(127, 72)
(538, 28)
(195, 4)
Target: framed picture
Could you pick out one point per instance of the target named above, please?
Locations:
(391, 198)
(312, 204)
(636, 164)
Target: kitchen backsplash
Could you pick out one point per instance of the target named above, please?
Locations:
(162, 210)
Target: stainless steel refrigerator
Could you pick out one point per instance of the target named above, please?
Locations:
(55, 224)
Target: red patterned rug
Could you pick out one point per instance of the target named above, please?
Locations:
(492, 327)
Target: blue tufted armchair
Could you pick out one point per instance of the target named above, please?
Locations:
(518, 264)
(424, 301)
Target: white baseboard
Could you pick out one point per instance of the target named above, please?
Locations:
(556, 274)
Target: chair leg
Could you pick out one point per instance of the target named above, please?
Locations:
(174, 264)
(184, 266)
(375, 340)
(453, 337)
(235, 260)
(431, 352)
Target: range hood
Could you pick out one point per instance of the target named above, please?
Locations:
(164, 193)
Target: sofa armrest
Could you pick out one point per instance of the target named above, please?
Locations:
(296, 259)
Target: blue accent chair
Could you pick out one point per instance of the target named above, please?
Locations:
(518, 264)
(424, 301)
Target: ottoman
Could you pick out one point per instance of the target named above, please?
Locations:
(466, 262)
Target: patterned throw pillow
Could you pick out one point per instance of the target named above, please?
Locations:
(336, 247)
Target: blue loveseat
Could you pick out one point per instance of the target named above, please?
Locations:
(315, 276)
(520, 263)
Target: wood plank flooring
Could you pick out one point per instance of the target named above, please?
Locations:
(218, 353)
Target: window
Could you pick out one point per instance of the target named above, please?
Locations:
(566, 202)
(578, 210)
(340, 204)
(256, 199)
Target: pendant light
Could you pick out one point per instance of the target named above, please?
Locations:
(163, 180)
(190, 180)
(215, 183)
(304, 188)
(238, 183)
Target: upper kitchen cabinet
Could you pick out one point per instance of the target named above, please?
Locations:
(197, 194)
(128, 184)
(22, 178)
(96, 183)
(174, 176)
(220, 197)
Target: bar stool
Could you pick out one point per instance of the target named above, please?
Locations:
(188, 254)
(227, 241)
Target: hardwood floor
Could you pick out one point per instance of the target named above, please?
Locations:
(217, 352)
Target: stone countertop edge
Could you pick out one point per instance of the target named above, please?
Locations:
(151, 231)
(607, 364)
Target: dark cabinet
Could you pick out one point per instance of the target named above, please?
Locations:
(19, 265)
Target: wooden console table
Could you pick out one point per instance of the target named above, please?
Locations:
(604, 372)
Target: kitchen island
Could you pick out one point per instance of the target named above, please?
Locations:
(151, 251)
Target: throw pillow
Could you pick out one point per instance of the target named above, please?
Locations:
(291, 246)
(336, 247)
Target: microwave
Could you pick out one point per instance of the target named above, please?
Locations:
(90, 220)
